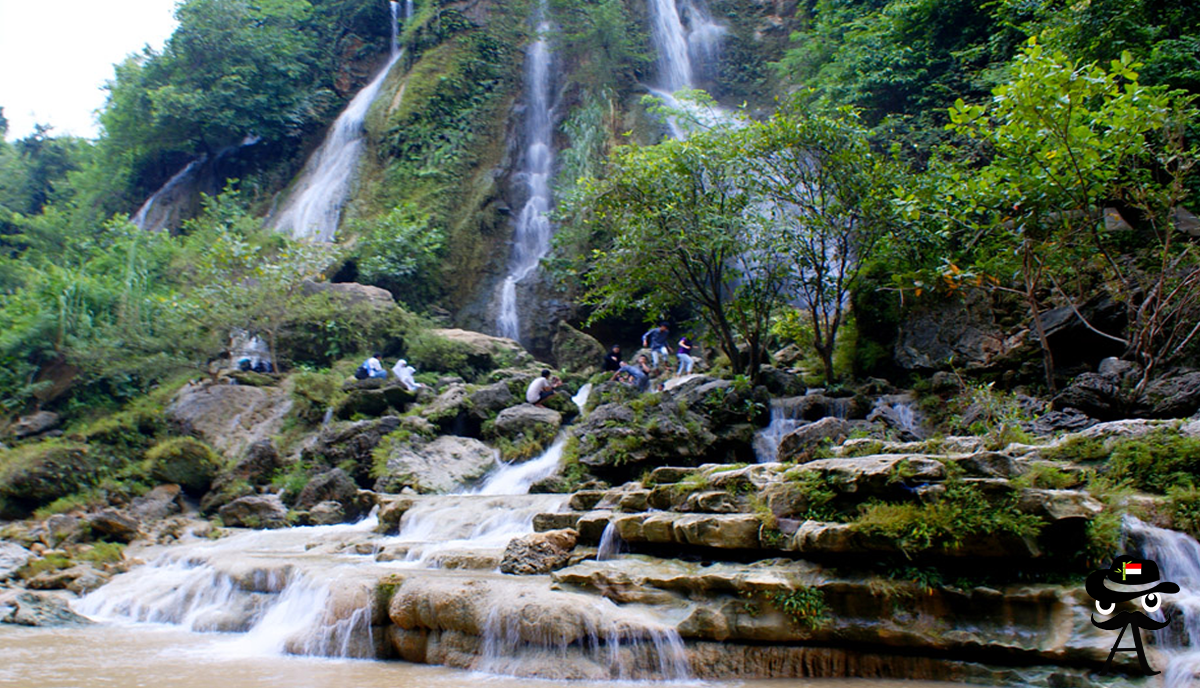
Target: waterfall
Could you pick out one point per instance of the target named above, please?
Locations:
(784, 419)
(531, 239)
(151, 216)
(611, 543)
(314, 207)
(1178, 559)
(408, 9)
(682, 51)
(517, 478)
(252, 584)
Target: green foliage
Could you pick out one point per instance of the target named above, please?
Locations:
(185, 461)
(1183, 506)
(102, 553)
(1047, 476)
(1077, 449)
(601, 40)
(315, 391)
(1155, 462)
(40, 472)
(804, 605)
(51, 562)
(428, 351)
(400, 251)
(961, 514)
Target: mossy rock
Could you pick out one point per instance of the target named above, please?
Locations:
(185, 461)
(35, 474)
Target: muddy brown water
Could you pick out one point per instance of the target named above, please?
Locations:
(153, 656)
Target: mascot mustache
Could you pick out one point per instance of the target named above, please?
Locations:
(1138, 619)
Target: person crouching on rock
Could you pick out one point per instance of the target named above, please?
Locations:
(639, 373)
(542, 388)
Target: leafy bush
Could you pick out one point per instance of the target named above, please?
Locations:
(1078, 449)
(428, 351)
(1184, 508)
(314, 392)
(104, 553)
(185, 461)
(961, 514)
(804, 605)
(1155, 462)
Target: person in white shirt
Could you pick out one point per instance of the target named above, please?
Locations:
(375, 368)
(404, 373)
(542, 388)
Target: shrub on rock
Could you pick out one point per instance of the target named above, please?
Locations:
(185, 461)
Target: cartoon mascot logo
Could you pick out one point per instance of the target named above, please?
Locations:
(1134, 576)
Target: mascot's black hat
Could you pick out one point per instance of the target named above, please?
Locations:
(1126, 570)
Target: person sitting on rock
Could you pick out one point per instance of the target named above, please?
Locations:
(612, 359)
(404, 373)
(639, 372)
(374, 367)
(542, 388)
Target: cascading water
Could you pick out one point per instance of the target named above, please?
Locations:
(784, 419)
(165, 209)
(682, 51)
(531, 239)
(288, 591)
(149, 217)
(1178, 559)
(315, 206)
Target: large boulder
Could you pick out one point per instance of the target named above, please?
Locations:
(34, 424)
(111, 524)
(350, 445)
(961, 330)
(450, 411)
(490, 400)
(1094, 394)
(184, 461)
(34, 474)
(618, 440)
(539, 552)
(434, 467)
(230, 417)
(485, 352)
(575, 351)
(12, 557)
(803, 443)
(255, 511)
(26, 608)
(351, 292)
(1173, 396)
(527, 419)
(331, 486)
(159, 503)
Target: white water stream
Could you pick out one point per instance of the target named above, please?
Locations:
(1178, 559)
(531, 238)
(314, 206)
(686, 40)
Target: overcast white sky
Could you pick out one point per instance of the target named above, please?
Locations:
(55, 56)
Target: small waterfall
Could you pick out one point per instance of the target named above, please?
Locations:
(315, 206)
(681, 52)
(517, 478)
(440, 527)
(631, 645)
(899, 413)
(581, 397)
(408, 9)
(251, 584)
(611, 543)
(784, 419)
(1178, 559)
(839, 407)
(531, 238)
(153, 216)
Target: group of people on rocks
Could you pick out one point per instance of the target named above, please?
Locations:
(373, 368)
(638, 374)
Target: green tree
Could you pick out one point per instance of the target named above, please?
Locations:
(685, 233)
(400, 252)
(1068, 141)
(829, 198)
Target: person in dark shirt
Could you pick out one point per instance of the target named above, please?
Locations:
(612, 359)
(685, 357)
(656, 339)
(639, 373)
